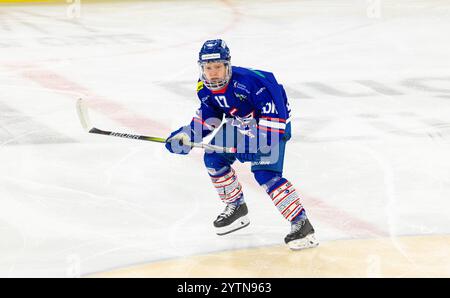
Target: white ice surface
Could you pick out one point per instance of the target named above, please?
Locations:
(370, 91)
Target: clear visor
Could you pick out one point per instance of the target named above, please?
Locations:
(215, 83)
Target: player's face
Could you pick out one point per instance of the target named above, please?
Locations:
(214, 71)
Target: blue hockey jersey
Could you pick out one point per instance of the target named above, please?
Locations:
(252, 99)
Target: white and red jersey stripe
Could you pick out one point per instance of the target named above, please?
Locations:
(272, 124)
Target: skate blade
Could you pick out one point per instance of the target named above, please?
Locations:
(307, 242)
(238, 224)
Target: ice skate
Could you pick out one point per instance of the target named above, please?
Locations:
(301, 235)
(233, 218)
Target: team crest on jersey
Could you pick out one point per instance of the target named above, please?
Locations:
(245, 120)
(245, 124)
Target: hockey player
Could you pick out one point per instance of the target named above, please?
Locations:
(253, 114)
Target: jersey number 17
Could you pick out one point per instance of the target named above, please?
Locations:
(222, 101)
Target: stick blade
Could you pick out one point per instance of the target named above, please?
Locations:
(83, 115)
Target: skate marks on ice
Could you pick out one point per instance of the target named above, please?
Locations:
(55, 82)
(378, 127)
(378, 124)
(432, 86)
(90, 29)
(422, 256)
(46, 27)
(18, 128)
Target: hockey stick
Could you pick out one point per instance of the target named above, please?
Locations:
(83, 115)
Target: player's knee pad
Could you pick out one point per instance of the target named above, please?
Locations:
(267, 179)
(216, 164)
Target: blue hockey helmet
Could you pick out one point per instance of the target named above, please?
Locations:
(215, 50)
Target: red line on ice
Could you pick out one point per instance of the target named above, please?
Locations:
(113, 110)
